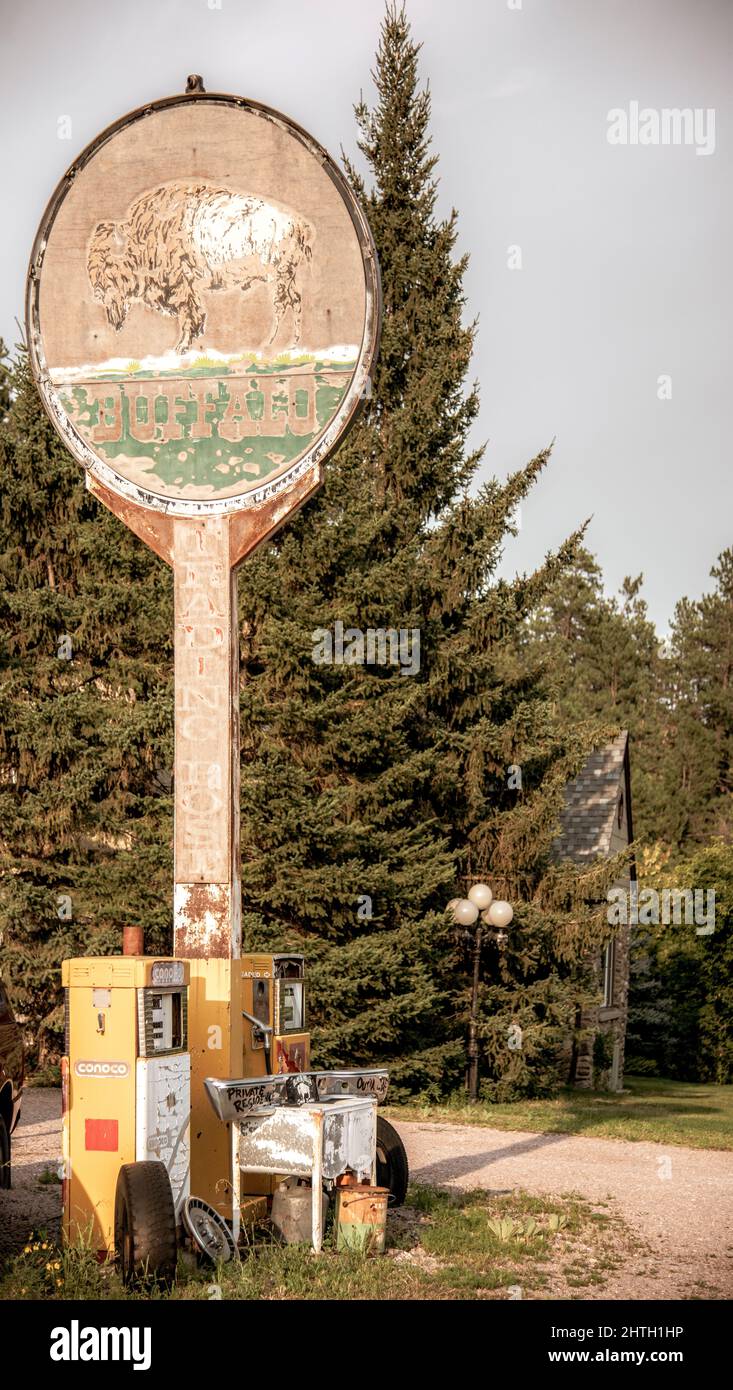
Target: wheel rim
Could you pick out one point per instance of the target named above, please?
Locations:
(208, 1231)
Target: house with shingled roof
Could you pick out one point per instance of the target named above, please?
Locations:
(596, 822)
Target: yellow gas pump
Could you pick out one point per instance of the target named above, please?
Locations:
(126, 1100)
(247, 1018)
(273, 1008)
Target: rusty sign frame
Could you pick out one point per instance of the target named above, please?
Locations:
(347, 412)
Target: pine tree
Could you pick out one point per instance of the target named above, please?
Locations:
(681, 999)
(698, 771)
(604, 659)
(369, 796)
(85, 722)
(652, 1028)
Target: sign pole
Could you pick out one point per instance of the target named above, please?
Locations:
(205, 555)
(206, 900)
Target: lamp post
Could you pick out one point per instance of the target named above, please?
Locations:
(479, 907)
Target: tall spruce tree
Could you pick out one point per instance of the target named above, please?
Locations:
(371, 795)
(697, 780)
(85, 722)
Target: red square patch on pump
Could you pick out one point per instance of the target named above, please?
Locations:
(101, 1134)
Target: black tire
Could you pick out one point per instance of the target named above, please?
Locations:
(4, 1156)
(392, 1169)
(145, 1223)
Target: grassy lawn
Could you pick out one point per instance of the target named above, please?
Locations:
(668, 1112)
(440, 1245)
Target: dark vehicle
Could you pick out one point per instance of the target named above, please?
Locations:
(12, 1066)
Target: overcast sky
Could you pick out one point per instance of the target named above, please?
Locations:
(625, 248)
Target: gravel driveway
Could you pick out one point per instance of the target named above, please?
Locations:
(36, 1147)
(678, 1202)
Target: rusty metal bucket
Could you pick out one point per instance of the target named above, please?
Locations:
(361, 1219)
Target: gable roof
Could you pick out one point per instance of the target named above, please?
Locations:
(591, 800)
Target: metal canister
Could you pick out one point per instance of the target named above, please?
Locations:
(292, 1212)
(361, 1219)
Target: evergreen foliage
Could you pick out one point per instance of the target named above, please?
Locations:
(604, 659)
(681, 997)
(675, 698)
(85, 721)
(697, 780)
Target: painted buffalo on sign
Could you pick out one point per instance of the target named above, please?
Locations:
(182, 241)
(203, 305)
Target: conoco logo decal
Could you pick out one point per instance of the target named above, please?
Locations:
(105, 1069)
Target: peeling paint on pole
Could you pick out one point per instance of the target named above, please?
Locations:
(206, 906)
(206, 920)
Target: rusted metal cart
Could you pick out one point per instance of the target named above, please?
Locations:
(318, 1126)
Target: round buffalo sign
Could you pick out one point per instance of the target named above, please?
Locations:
(203, 305)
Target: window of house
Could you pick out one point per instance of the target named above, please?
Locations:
(609, 970)
(620, 811)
